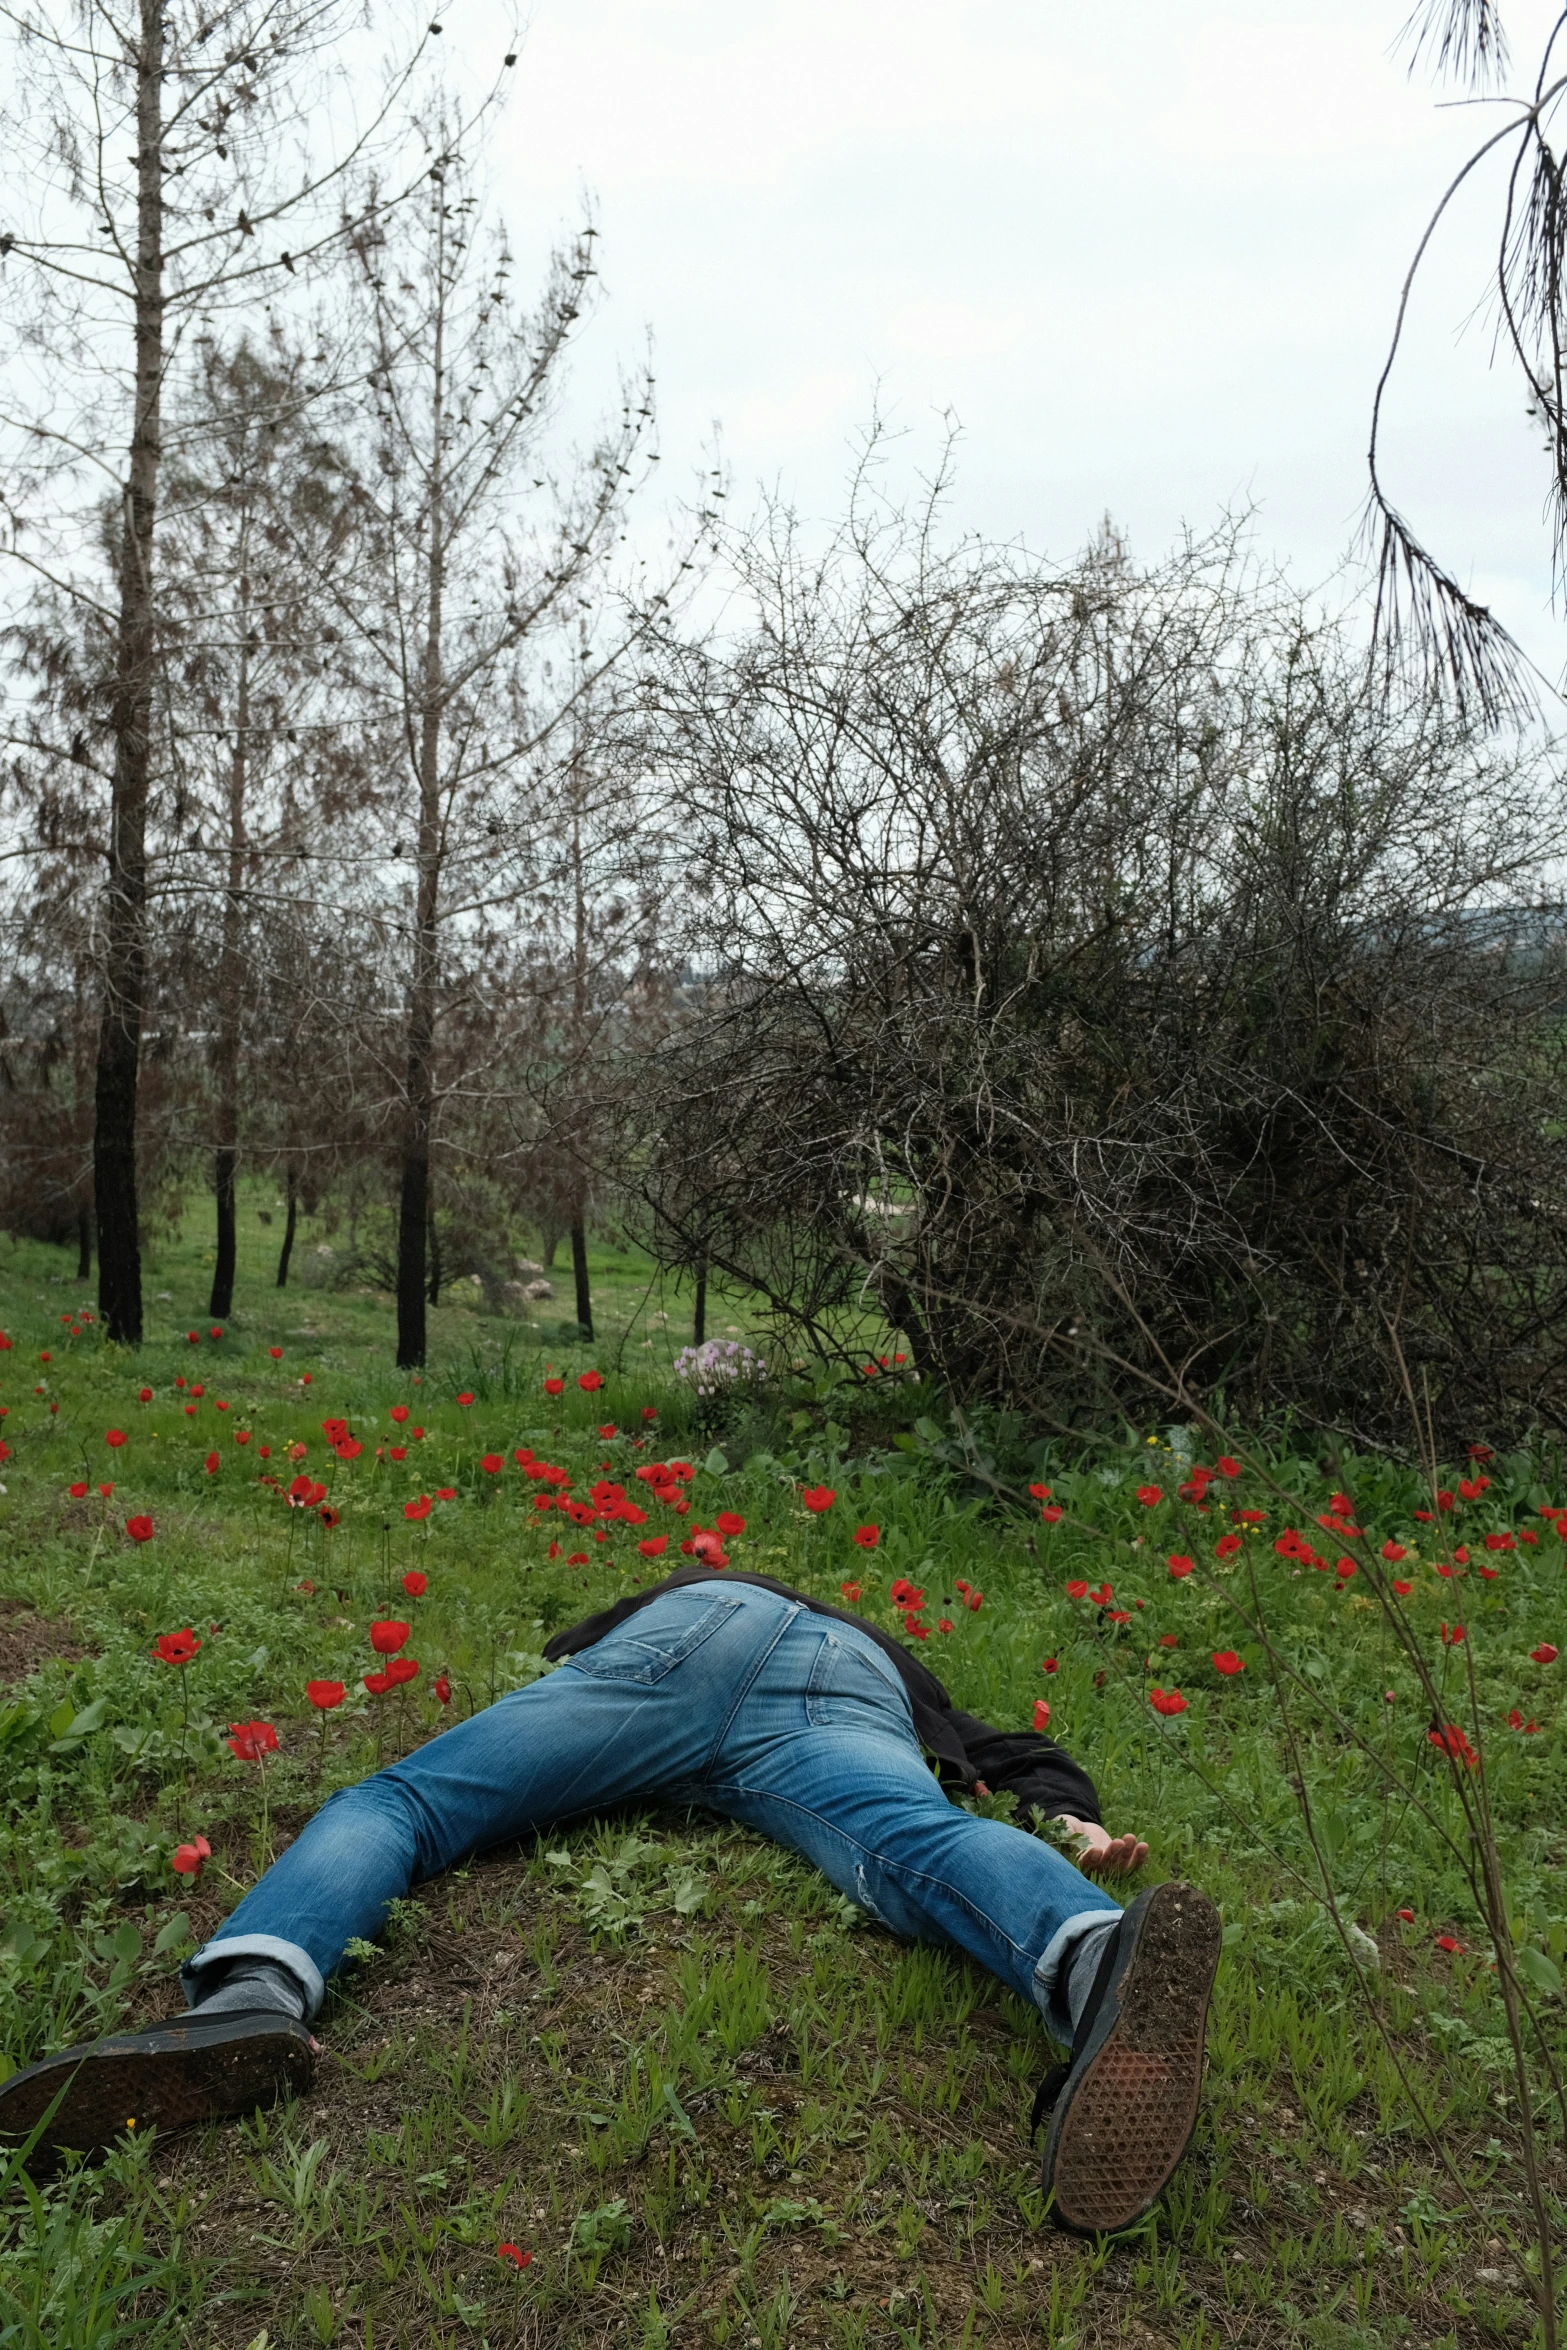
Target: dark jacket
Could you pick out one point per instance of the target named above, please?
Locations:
(1042, 1775)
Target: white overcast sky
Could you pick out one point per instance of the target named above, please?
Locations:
(1149, 255)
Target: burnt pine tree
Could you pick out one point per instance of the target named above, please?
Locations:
(478, 553)
(168, 165)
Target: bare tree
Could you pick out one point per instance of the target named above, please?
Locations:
(1099, 983)
(165, 168)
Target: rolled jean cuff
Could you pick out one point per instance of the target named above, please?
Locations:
(1056, 1964)
(299, 1964)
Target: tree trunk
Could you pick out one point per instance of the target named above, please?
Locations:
(231, 977)
(125, 912)
(699, 1318)
(414, 1218)
(288, 1229)
(83, 1243)
(435, 1262)
(579, 1269)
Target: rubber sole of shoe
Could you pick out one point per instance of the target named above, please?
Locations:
(166, 2078)
(1127, 2111)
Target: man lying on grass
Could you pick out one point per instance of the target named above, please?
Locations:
(746, 1698)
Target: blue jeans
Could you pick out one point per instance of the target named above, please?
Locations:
(719, 1695)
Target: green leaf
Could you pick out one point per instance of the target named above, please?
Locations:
(716, 1463)
(126, 1940)
(172, 1933)
(1536, 1968)
(76, 1726)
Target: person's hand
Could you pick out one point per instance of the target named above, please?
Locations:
(1099, 1853)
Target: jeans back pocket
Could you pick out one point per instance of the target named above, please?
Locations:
(850, 1685)
(656, 1639)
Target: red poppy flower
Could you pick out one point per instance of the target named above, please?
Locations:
(1050, 1664)
(492, 1463)
(1180, 1566)
(515, 2254)
(188, 1860)
(1452, 1638)
(400, 1669)
(242, 1436)
(1041, 1714)
(466, 1397)
(1449, 1942)
(1228, 1467)
(851, 1592)
(729, 1523)
(77, 1492)
(276, 1352)
(1227, 1545)
(654, 1546)
(114, 1437)
(144, 1395)
(1227, 1662)
(1040, 1492)
(974, 1602)
(251, 1740)
(1515, 1721)
(608, 1432)
(818, 1498)
(1345, 1568)
(1408, 1916)
(866, 1537)
(554, 1386)
(1150, 1496)
(325, 1694)
(1101, 1597)
(590, 1381)
(1451, 1740)
(1403, 1589)
(415, 1584)
(175, 1648)
(387, 1635)
(212, 1464)
(1545, 1654)
(194, 1336)
(1077, 1591)
(443, 1688)
(1120, 1615)
(1251, 1517)
(1168, 1640)
(376, 1683)
(418, 1509)
(1166, 1701)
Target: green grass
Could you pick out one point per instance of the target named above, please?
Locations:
(711, 2101)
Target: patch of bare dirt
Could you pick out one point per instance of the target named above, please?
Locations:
(28, 1641)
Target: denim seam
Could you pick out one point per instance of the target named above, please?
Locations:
(743, 1691)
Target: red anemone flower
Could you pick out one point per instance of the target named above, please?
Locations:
(415, 1584)
(376, 1683)
(77, 1491)
(212, 1464)
(590, 1381)
(1180, 1565)
(114, 1437)
(1041, 1714)
(654, 1546)
(443, 1688)
(1227, 1545)
(387, 1635)
(729, 1523)
(1168, 1640)
(1077, 1591)
(466, 1397)
(188, 1860)
(554, 1386)
(1050, 1664)
(140, 1529)
(515, 2254)
(175, 1648)
(252, 1740)
(325, 1694)
(1166, 1701)
(650, 1411)
(818, 1498)
(1545, 1654)
(1150, 1496)
(851, 1592)
(867, 1537)
(1226, 1661)
(492, 1463)
(144, 1395)
(1228, 1467)
(400, 1669)
(398, 1414)
(276, 1352)
(329, 1517)
(418, 1509)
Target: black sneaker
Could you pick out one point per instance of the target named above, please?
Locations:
(188, 2070)
(1123, 2110)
